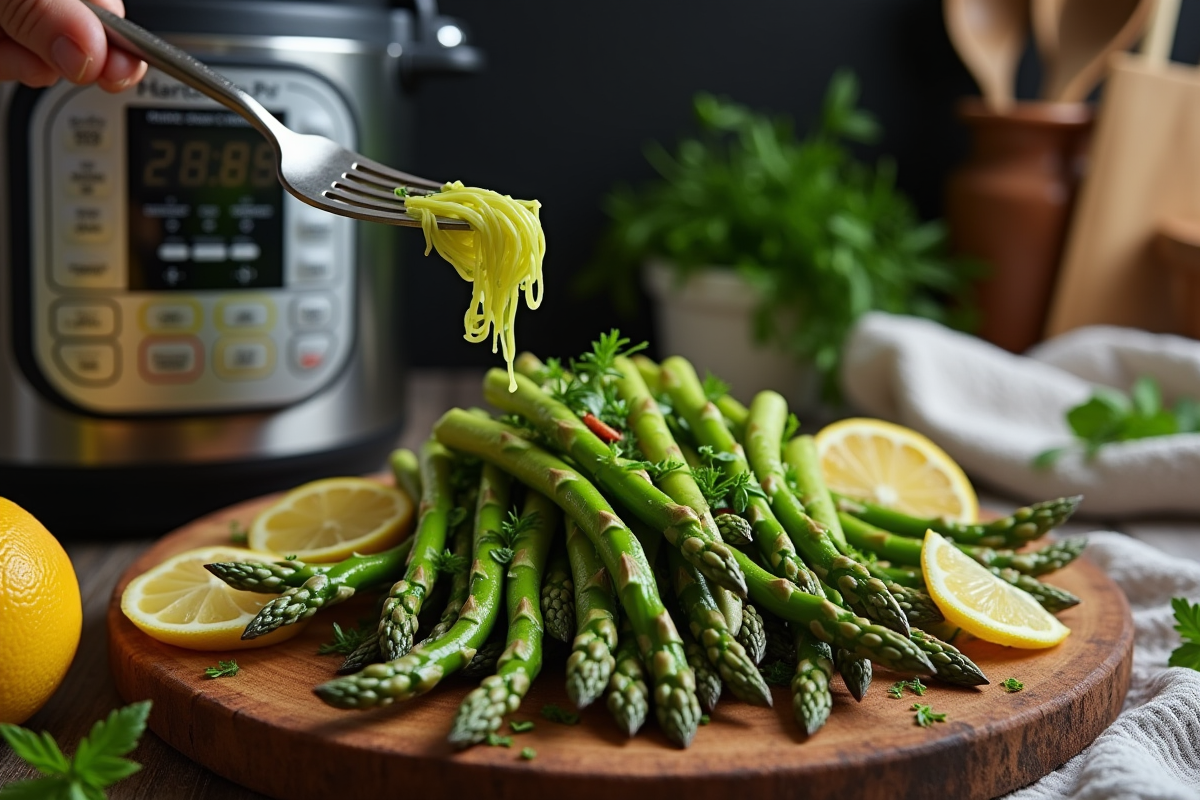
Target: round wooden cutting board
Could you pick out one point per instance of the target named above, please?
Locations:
(265, 729)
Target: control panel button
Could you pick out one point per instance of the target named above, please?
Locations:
(82, 269)
(244, 251)
(171, 360)
(172, 252)
(88, 363)
(309, 352)
(244, 359)
(315, 228)
(85, 319)
(312, 312)
(87, 224)
(88, 178)
(314, 270)
(87, 132)
(209, 252)
(179, 317)
(245, 314)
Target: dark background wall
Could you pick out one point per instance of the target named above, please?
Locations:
(573, 92)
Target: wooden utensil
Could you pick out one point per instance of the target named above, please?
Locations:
(1089, 32)
(266, 730)
(989, 36)
(1045, 15)
(1141, 182)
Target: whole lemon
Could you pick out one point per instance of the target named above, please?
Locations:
(41, 614)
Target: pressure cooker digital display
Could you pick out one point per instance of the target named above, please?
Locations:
(171, 271)
(205, 207)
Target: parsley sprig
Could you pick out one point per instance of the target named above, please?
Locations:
(1187, 622)
(720, 489)
(926, 716)
(585, 387)
(223, 669)
(96, 765)
(896, 690)
(448, 563)
(1110, 416)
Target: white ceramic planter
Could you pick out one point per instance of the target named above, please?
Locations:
(709, 320)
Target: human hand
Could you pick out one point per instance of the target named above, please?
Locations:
(43, 40)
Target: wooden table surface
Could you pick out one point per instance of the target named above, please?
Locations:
(88, 694)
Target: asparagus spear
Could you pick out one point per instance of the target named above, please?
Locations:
(398, 619)
(675, 703)
(917, 605)
(591, 661)
(367, 652)
(406, 470)
(752, 636)
(482, 711)
(678, 523)
(485, 660)
(558, 596)
(628, 698)
(950, 664)
(866, 595)
(1052, 598)
(424, 666)
(801, 454)
(734, 530)
(812, 700)
(321, 586)
(708, 680)
(460, 582)
(725, 653)
(855, 670)
(680, 382)
(907, 551)
(1021, 526)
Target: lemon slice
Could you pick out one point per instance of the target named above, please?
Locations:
(331, 519)
(983, 605)
(181, 603)
(894, 466)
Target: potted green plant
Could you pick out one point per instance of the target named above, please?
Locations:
(763, 248)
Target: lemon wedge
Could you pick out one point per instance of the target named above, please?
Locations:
(179, 602)
(894, 466)
(983, 605)
(331, 519)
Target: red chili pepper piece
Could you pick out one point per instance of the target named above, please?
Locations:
(602, 429)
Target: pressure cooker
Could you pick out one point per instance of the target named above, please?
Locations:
(176, 331)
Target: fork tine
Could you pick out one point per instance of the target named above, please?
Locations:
(347, 209)
(351, 196)
(393, 177)
(369, 190)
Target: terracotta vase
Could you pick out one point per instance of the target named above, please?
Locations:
(1009, 205)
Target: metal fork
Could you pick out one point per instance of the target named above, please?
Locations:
(316, 170)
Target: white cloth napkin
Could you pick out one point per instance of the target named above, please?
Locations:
(994, 411)
(1152, 751)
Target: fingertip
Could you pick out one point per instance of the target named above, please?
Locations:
(121, 68)
(123, 83)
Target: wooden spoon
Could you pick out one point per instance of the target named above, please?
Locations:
(1045, 14)
(989, 36)
(1089, 31)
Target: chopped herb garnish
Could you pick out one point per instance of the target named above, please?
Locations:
(224, 669)
(556, 714)
(1012, 685)
(238, 534)
(528, 753)
(705, 719)
(345, 641)
(521, 726)
(1187, 622)
(495, 740)
(926, 716)
(896, 690)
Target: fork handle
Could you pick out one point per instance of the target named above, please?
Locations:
(181, 66)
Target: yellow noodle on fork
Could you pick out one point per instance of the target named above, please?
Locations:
(501, 257)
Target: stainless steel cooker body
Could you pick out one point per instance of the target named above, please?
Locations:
(179, 430)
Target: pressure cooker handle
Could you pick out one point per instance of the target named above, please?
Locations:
(436, 45)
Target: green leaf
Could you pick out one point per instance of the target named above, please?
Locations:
(714, 387)
(40, 752)
(1101, 416)
(114, 736)
(1186, 655)
(556, 714)
(521, 726)
(1048, 458)
(496, 740)
(1012, 685)
(223, 669)
(926, 716)
(1147, 397)
(528, 753)
(1187, 623)
(1161, 423)
(56, 788)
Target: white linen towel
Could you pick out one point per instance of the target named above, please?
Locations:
(994, 411)
(1152, 751)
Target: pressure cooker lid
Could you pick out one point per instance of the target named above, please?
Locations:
(363, 20)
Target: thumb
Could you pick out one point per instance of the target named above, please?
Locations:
(63, 33)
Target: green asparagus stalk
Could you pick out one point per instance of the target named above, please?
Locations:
(736, 415)
(460, 582)
(866, 595)
(558, 596)
(367, 652)
(398, 620)
(1051, 598)
(679, 524)
(855, 670)
(680, 382)
(648, 369)
(482, 711)
(708, 680)
(734, 529)
(675, 701)
(889, 573)
(424, 666)
(801, 454)
(812, 700)
(628, 698)
(591, 661)
(752, 636)
(950, 664)
(725, 653)
(406, 470)
(322, 586)
(907, 551)
(917, 605)
(1021, 526)
(485, 660)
